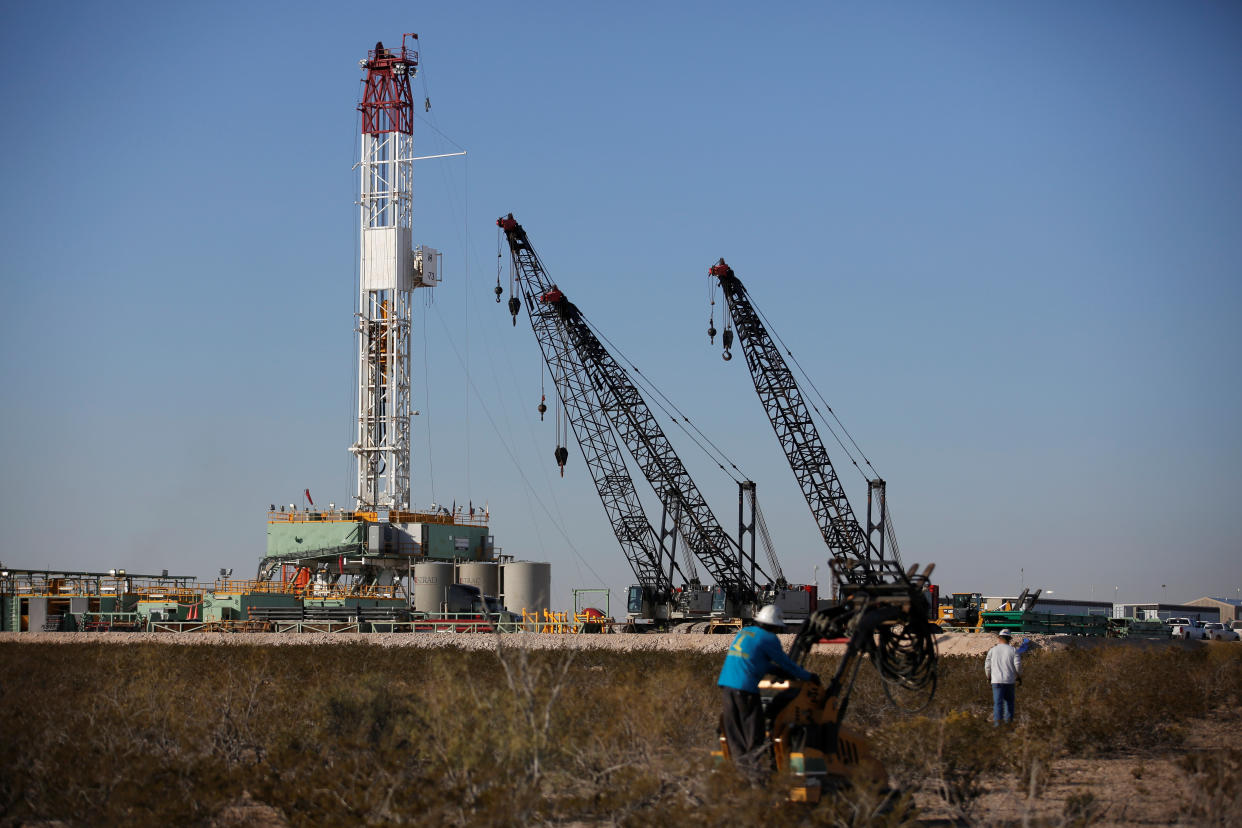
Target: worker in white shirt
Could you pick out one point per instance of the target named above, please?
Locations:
(1003, 667)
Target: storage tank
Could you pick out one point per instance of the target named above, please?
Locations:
(431, 583)
(526, 585)
(482, 574)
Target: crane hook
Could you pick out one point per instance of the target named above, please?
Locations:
(727, 341)
(543, 407)
(562, 456)
(514, 307)
(711, 330)
(498, 290)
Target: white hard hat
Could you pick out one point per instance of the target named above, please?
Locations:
(771, 616)
(1003, 633)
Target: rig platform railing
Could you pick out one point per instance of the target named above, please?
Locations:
(107, 621)
(309, 590)
(455, 517)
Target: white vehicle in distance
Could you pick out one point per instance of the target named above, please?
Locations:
(1187, 630)
(1219, 632)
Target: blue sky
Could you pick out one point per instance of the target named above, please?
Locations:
(1004, 240)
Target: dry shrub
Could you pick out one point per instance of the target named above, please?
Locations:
(863, 805)
(1096, 700)
(1214, 794)
(1030, 759)
(1082, 809)
(950, 755)
(158, 734)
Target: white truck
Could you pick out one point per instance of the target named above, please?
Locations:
(1219, 632)
(1187, 629)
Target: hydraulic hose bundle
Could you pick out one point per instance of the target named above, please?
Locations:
(905, 657)
(887, 622)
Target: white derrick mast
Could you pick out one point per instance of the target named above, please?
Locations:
(389, 270)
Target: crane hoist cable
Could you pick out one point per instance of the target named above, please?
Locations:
(890, 533)
(811, 384)
(711, 333)
(674, 414)
(569, 346)
(528, 484)
(542, 408)
(646, 441)
(765, 539)
(498, 290)
(858, 560)
(562, 436)
(654, 564)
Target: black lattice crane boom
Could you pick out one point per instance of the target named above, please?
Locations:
(859, 560)
(734, 570)
(883, 611)
(654, 566)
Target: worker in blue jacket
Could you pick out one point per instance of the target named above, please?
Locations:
(754, 653)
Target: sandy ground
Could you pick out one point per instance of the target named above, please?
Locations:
(948, 644)
(1137, 788)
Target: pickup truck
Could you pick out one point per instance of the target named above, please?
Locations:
(1186, 629)
(1219, 632)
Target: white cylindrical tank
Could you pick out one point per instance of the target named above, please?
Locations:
(526, 585)
(431, 583)
(482, 574)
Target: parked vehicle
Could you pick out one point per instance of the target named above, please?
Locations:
(1188, 630)
(1216, 631)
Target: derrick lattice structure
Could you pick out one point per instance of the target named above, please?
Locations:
(389, 270)
(859, 561)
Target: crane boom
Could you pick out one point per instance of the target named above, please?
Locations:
(734, 570)
(859, 561)
(654, 566)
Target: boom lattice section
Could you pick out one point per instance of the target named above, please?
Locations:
(654, 566)
(734, 570)
(857, 560)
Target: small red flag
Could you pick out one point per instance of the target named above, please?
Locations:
(308, 497)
